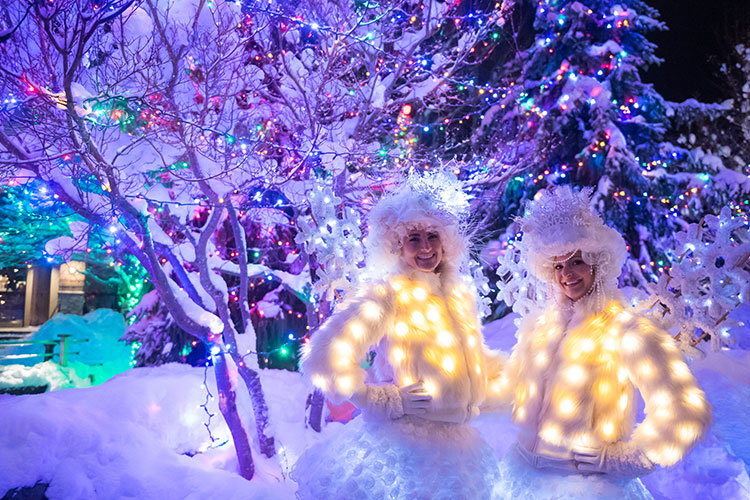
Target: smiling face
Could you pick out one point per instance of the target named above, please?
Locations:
(573, 275)
(422, 250)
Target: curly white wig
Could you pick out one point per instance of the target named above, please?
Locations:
(559, 223)
(433, 202)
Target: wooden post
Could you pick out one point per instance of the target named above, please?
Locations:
(49, 350)
(37, 308)
(63, 337)
(29, 297)
(54, 289)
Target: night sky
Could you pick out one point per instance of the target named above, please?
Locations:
(701, 35)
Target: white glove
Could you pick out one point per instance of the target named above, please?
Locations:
(622, 459)
(547, 462)
(415, 399)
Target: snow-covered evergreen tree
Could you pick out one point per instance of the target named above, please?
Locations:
(156, 337)
(30, 216)
(743, 97)
(578, 97)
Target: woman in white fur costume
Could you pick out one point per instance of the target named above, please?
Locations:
(428, 376)
(573, 375)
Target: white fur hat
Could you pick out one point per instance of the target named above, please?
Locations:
(432, 202)
(560, 221)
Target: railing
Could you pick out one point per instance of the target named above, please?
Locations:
(49, 348)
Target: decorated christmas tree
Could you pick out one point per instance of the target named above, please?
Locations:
(30, 216)
(36, 228)
(578, 102)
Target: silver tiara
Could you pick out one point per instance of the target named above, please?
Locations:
(560, 206)
(444, 190)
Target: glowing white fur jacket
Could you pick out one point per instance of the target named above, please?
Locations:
(572, 385)
(423, 328)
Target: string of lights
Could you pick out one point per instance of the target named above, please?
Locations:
(210, 415)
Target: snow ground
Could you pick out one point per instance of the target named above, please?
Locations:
(141, 435)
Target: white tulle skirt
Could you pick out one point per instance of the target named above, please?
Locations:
(404, 459)
(521, 481)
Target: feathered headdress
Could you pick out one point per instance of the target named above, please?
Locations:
(434, 201)
(560, 222)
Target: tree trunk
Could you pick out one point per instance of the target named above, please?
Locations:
(260, 409)
(316, 410)
(228, 407)
(316, 399)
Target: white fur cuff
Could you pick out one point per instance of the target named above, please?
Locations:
(384, 401)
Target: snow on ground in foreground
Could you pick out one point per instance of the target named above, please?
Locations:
(131, 436)
(141, 436)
